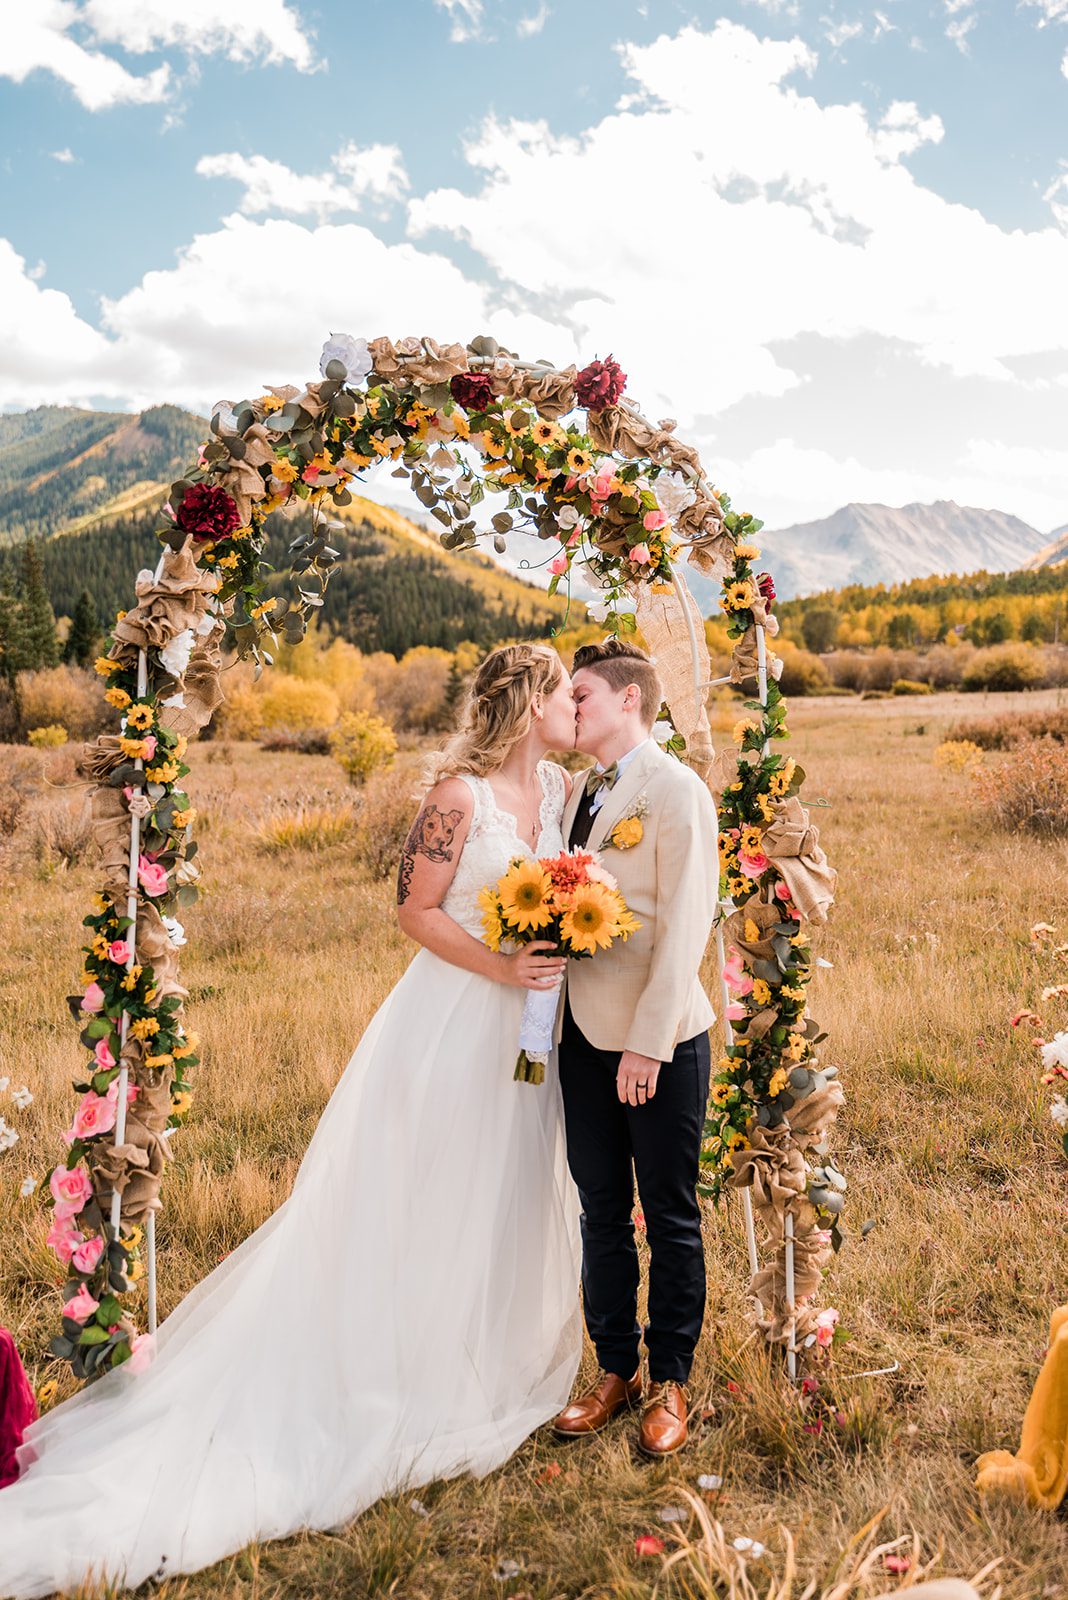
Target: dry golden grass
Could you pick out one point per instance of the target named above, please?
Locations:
(946, 1141)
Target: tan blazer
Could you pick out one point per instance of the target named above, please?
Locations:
(644, 993)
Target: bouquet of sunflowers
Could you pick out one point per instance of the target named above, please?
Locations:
(567, 899)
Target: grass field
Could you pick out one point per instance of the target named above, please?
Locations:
(946, 1141)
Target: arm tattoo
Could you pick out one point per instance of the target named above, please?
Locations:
(431, 835)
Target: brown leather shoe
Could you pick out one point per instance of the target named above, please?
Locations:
(662, 1430)
(595, 1409)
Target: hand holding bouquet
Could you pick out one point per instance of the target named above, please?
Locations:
(569, 900)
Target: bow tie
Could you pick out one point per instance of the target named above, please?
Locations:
(595, 779)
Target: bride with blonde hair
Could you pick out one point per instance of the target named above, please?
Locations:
(421, 1278)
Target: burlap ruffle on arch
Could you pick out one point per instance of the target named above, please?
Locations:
(180, 598)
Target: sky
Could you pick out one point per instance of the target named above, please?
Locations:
(831, 240)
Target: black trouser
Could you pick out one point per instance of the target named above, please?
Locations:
(608, 1142)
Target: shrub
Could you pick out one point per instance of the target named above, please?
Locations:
(48, 737)
(61, 836)
(298, 741)
(958, 755)
(361, 743)
(411, 693)
(68, 697)
(241, 714)
(1002, 732)
(1029, 789)
(295, 703)
(306, 826)
(1003, 667)
(910, 686)
(390, 803)
(802, 672)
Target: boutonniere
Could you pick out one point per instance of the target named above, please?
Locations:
(628, 831)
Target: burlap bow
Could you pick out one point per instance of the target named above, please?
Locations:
(792, 844)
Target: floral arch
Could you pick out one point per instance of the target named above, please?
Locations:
(570, 458)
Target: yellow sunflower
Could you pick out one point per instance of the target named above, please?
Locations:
(738, 596)
(117, 697)
(737, 1141)
(749, 843)
(777, 1082)
(761, 992)
(525, 896)
(720, 1093)
(747, 552)
(579, 461)
(591, 921)
(492, 926)
(545, 432)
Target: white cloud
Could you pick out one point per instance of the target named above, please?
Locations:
(248, 304)
(37, 38)
(958, 32)
(242, 30)
(526, 27)
(64, 37)
(376, 171)
(1052, 10)
(466, 17)
(1064, 64)
(776, 216)
(64, 156)
(839, 33)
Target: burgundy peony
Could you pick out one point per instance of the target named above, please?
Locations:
(600, 384)
(472, 390)
(767, 587)
(207, 512)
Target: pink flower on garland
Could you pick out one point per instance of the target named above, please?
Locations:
(782, 890)
(653, 521)
(81, 1306)
(142, 1352)
(86, 1257)
(151, 876)
(71, 1188)
(119, 951)
(102, 1055)
(735, 1012)
(64, 1239)
(754, 866)
(640, 555)
(600, 384)
(207, 512)
(93, 999)
(826, 1322)
(558, 565)
(95, 1115)
(472, 390)
(149, 744)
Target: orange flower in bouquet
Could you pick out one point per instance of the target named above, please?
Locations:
(567, 899)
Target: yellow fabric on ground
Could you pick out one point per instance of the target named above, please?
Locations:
(1038, 1472)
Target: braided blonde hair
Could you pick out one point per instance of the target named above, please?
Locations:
(498, 710)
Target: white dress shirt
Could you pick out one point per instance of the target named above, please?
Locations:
(599, 798)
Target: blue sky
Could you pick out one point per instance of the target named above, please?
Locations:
(831, 239)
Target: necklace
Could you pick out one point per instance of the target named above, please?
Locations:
(531, 798)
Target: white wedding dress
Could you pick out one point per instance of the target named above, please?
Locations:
(409, 1313)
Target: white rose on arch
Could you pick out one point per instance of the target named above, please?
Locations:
(175, 931)
(176, 652)
(353, 354)
(673, 494)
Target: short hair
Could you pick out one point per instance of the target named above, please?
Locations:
(620, 663)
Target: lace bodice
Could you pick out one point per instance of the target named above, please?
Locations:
(493, 842)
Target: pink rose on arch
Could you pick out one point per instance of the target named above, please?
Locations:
(602, 484)
(826, 1322)
(64, 1239)
(71, 1188)
(782, 890)
(93, 998)
(640, 555)
(86, 1257)
(558, 565)
(119, 951)
(753, 866)
(142, 1352)
(151, 876)
(570, 483)
(149, 742)
(81, 1306)
(734, 1012)
(653, 521)
(95, 1114)
(103, 1056)
(574, 537)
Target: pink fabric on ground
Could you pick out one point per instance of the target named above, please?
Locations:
(18, 1408)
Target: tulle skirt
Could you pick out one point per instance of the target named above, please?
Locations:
(409, 1313)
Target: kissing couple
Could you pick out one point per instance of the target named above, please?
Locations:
(411, 1311)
